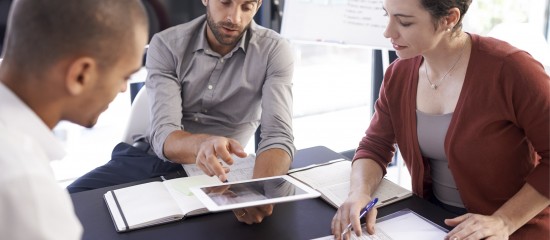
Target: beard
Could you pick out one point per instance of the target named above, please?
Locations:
(224, 39)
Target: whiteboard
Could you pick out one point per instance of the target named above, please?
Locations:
(351, 22)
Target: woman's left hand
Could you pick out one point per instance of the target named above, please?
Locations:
(475, 226)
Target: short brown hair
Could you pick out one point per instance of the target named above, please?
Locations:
(41, 32)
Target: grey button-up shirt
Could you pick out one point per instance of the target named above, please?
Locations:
(193, 88)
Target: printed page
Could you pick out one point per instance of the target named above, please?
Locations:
(380, 235)
(410, 226)
(389, 192)
(335, 194)
(241, 169)
(325, 175)
(186, 201)
(402, 225)
(333, 181)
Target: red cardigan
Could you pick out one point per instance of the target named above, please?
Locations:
(500, 123)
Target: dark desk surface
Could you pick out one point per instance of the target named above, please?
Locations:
(293, 220)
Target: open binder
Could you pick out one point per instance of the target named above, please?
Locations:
(155, 203)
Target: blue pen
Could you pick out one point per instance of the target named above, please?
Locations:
(365, 211)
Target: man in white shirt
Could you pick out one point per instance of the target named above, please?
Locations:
(62, 61)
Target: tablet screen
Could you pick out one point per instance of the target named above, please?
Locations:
(253, 192)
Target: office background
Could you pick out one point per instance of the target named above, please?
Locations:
(333, 84)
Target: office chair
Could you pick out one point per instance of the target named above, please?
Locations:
(139, 120)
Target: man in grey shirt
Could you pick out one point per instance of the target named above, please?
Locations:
(211, 82)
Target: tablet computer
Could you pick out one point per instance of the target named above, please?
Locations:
(254, 192)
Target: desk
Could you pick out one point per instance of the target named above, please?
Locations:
(304, 219)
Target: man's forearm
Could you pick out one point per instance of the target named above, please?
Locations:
(181, 147)
(271, 162)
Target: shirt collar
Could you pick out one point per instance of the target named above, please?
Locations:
(15, 114)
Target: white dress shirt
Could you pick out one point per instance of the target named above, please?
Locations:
(32, 204)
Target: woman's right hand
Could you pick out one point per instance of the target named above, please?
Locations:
(349, 212)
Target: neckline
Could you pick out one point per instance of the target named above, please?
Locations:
(434, 115)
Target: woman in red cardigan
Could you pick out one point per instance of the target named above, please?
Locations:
(471, 116)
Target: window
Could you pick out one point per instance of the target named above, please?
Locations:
(521, 23)
(332, 88)
(332, 95)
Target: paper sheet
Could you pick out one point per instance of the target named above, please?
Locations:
(241, 169)
(333, 181)
(186, 201)
(402, 225)
(158, 201)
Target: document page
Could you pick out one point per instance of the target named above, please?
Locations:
(402, 225)
(333, 181)
(241, 169)
(187, 202)
(380, 235)
(407, 224)
(325, 175)
(147, 204)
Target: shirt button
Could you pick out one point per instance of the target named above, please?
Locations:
(196, 119)
(209, 86)
(221, 60)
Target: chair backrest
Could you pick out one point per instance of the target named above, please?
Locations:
(138, 123)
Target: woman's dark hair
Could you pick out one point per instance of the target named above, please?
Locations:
(440, 8)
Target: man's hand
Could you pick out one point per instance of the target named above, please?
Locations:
(224, 189)
(214, 148)
(269, 163)
(253, 215)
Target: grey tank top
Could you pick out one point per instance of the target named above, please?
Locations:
(432, 130)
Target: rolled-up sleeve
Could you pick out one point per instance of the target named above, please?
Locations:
(276, 118)
(164, 92)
